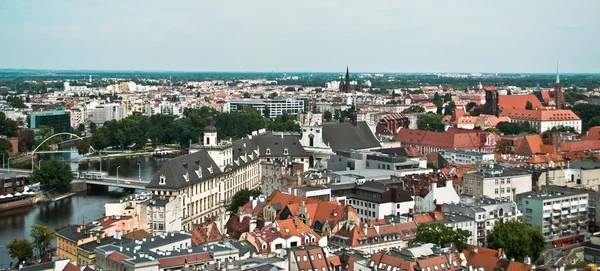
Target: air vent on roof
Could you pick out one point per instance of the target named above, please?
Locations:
(185, 165)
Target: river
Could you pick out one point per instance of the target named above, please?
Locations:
(81, 207)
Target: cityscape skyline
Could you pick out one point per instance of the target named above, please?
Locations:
(507, 37)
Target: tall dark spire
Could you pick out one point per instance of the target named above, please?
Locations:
(558, 94)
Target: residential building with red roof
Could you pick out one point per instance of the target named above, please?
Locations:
(491, 259)
(371, 238)
(544, 120)
(308, 258)
(417, 258)
(518, 102)
(428, 141)
(117, 225)
(205, 233)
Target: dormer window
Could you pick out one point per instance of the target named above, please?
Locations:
(285, 151)
(162, 180)
(186, 177)
(210, 169)
(268, 151)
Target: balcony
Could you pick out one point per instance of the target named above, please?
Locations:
(555, 221)
(583, 210)
(564, 226)
(564, 219)
(546, 222)
(544, 230)
(582, 223)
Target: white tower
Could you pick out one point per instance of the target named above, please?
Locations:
(210, 133)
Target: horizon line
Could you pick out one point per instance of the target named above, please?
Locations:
(291, 72)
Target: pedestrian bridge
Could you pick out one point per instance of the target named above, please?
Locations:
(106, 180)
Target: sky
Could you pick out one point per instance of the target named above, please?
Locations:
(302, 36)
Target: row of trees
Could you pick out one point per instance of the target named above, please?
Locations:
(518, 239)
(134, 131)
(22, 249)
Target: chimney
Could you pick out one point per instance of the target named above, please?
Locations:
(527, 260)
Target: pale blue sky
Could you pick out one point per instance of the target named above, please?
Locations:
(306, 35)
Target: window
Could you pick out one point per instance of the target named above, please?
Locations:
(312, 257)
(162, 180)
(278, 246)
(304, 258)
(285, 151)
(319, 256)
(268, 151)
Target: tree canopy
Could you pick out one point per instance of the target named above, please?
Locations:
(442, 235)
(449, 108)
(54, 173)
(284, 123)
(242, 197)
(430, 122)
(414, 109)
(20, 249)
(518, 239)
(327, 116)
(515, 128)
(586, 112)
(528, 105)
(42, 237)
(8, 127)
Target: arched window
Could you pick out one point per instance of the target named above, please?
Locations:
(207, 140)
(311, 140)
(268, 151)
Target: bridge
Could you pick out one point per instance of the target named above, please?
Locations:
(106, 181)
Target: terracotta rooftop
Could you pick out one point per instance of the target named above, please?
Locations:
(539, 115)
(518, 102)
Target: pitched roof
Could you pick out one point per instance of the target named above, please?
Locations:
(117, 257)
(137, 235)
(205, 233)
(491, 259)
(592, 134)
(453, 139)
(345, 136)
(177, 169)
(580, 145)
(518, 101)
(539, 115)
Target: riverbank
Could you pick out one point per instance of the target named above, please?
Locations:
(95, 157)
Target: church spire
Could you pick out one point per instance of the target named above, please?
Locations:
(557, 75)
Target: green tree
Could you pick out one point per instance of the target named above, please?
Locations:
(93, 127)
(242, 197)
(83, 146)
(290, 89)
(518, 239)
(470, 106)
(336, 114)
(8, 127)
(414, 109)
(26, 140)
(42, 237)
(267, 112)
(20, 249)
(441, 235)
(529, 105)
(327, 116)
(5, 146)
(284, 123)
(54, 173)
(447, 97)
(430, 122)
(273, 95)
(449, 108)
(246, 95)
(100, 139)
(392, 102)
(81, 128)
(595, 121)
(17, 103)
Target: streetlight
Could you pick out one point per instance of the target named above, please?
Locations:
(118, 174)
(139, 171)
(40, 163)
(2, 160)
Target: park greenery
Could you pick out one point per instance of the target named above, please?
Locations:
(430, 122)
(23, 249)
(133, 132)
(242, 197)
(518, 239)
(55, 174)
(441, 235)
(515, 128)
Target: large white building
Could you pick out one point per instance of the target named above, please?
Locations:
(544, 120)
(464, 157)
(100, 113)
(197, 187)
(495, 182)
(276, 107)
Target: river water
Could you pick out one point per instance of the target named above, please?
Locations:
(80, 208)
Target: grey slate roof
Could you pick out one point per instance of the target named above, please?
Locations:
(70, 233)
(275, 143)
(584, 164)
(91, 246)
(345, 136)
(244, 247)
(175, 169)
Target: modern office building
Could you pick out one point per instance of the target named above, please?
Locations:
(485, 212)
(356, 160)
(102, 113)
(593, 200)
(493, 181)
(58, 119)
(276, 107)
(464, 157)
(562, 216)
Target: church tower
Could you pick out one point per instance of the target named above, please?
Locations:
(210, 133)
(345, 82)
(558, 94)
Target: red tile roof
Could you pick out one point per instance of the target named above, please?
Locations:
(205, 233)
(539, 115)
(117, 257)
(592, 134)
(181, 260)
(518, 102)
(453, 139)
(580, 145)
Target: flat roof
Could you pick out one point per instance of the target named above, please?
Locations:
(550, 195)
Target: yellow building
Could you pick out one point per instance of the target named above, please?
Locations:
(69, 239)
